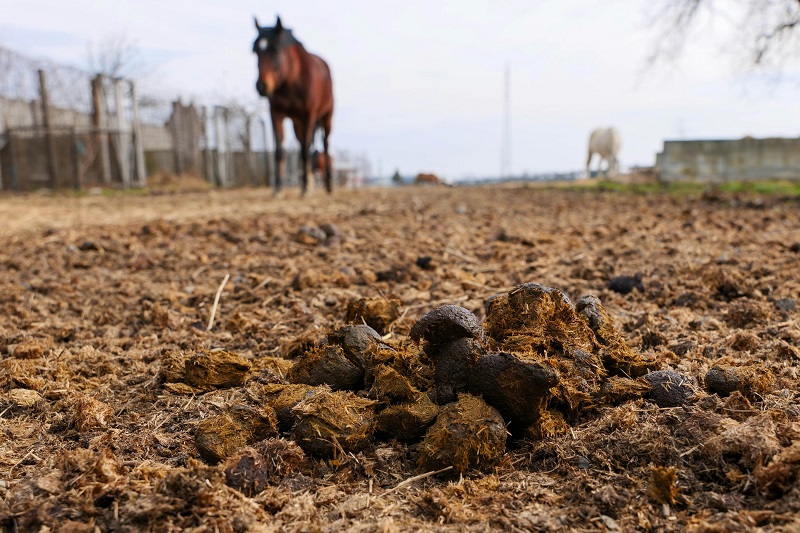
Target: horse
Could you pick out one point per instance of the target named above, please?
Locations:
(427, 179)
(604, 142)
(298, 85)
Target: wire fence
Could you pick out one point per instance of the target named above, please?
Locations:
(64, 127)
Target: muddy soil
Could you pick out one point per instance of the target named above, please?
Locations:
(103, 299)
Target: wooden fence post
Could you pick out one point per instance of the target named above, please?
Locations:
(138, 141)
(101, 127)
(52, 164)
(123, 147)
(229, 170)
(221, 168)
(208, 169)
(268, 181)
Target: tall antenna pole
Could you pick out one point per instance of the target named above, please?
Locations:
(505, 157)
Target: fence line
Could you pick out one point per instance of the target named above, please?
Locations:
(64, 127)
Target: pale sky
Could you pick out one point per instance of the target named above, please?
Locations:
(419, 84)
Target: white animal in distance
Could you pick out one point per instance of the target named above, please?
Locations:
(605, 142)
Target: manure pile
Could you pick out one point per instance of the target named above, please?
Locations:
(453, 360)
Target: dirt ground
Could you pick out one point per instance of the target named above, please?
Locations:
(96, 292)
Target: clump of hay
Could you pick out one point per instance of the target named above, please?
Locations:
(468, 435)
(208, 370)
(220, 436)
(377, 313)
(332, 423)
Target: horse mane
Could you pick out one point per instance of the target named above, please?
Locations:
(279, 39)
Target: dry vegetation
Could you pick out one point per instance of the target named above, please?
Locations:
(116, 399)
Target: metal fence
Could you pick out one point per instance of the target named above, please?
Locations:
(63, 127)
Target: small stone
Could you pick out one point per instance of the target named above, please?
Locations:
(786, 304)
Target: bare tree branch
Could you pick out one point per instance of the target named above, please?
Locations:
(767, 32)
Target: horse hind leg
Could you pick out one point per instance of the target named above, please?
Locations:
(326, 133)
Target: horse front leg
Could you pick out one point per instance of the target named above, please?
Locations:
(304, 129)
(280, 160)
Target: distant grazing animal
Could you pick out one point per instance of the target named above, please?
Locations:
(299, 86)
(427, 179)
(604, 142)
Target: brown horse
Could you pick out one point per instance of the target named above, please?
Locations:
(299, 86)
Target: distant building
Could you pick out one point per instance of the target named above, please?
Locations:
(729, 160)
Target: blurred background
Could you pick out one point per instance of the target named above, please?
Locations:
(467, 90)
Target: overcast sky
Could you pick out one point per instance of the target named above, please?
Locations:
(419, 84)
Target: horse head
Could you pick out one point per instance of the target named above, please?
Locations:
(270, 46)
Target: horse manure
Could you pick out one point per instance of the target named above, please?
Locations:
(283, 398)
(172, 366)
(327, 365)
(252, 468)
(669, 388)
(333, 423)
(452, 366)
(390, 386)
(220, 436)
(29, 349)
(626, 284)
(308, 278)
(550, 424)
(247, 471)
(750, 380)
(89, 414)
(443, 325)
(377, 313)
(515, 387)
(209, 370)
(618, 389)
(425, 262)
(356, 341)
(408, 421)
(310, 235)
(617, 356)
(467, 435)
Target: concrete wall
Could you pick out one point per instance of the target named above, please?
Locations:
(729, 160)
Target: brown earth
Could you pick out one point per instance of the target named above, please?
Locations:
(101, 297)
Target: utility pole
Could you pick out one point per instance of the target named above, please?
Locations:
(505, 155)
